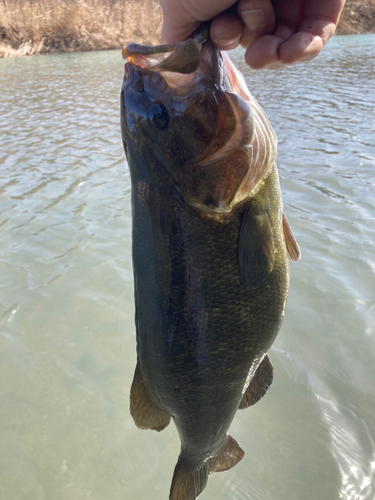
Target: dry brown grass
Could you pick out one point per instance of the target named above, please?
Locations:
(29, 27)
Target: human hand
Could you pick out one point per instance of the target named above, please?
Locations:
(273, 32)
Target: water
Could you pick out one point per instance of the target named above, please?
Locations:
(67, 338)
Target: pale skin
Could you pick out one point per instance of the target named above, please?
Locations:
(273, 32)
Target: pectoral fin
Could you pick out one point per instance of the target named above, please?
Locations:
(256, 251)
(292, 247)
(145, 412)
(259, 384)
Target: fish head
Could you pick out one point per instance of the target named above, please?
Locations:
(169, 100)
(186, 113)
(158, 117)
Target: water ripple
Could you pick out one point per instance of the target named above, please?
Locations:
(66, 291)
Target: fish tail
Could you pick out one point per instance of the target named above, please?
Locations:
(188, 481)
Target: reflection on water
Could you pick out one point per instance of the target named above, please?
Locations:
(67, 340)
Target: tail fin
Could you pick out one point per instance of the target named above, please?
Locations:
(188, 481)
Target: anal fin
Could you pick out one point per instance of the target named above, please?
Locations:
(145, 412)
(259, 384)
(227, 457)
(256, 252)
(292, 247)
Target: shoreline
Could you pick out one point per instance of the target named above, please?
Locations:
(49, 27)
(357, 18)
(28, 28)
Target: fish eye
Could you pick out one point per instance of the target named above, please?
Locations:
(158, 114)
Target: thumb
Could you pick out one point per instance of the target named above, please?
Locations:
(178, 22)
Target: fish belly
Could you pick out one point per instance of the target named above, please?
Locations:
(199, 330)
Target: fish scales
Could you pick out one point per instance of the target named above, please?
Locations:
(210, 253)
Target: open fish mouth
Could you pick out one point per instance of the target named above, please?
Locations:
(182, 65)
(183, 57)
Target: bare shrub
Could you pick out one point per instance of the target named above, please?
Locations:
(30, 27)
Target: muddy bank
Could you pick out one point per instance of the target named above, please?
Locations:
(357, 18)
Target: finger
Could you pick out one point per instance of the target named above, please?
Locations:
(258, 18)
(178, 22)
(172, 33)
(263, 53)
(226, 31)
(317, 27)
(299, 35)
(302, 46)
(181, 18)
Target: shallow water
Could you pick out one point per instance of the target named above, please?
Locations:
(67, 337)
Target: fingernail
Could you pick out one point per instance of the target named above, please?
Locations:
(254, 19)
(274, 66)
(227, 44)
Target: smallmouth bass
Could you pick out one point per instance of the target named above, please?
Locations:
(210, 249)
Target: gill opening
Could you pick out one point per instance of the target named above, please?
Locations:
(232, 144)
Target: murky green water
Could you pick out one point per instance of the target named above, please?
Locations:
(67, 338)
